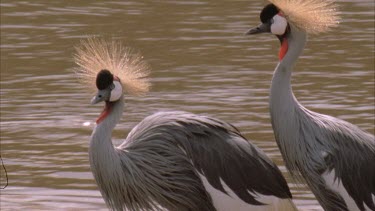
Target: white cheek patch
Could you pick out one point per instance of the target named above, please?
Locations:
(116, 92)
(279, 25)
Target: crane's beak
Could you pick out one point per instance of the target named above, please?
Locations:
(102, 95)
(262, 28)
(95, 100)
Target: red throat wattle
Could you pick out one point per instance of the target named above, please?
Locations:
(105, 112)
(283, 48)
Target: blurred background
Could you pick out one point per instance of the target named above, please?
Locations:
(201, 62)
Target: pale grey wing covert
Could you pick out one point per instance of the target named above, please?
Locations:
(352, 157)
(345, 151)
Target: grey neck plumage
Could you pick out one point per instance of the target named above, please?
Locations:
(104, 160)
(102, 134)
(282, 98)
(284, 107)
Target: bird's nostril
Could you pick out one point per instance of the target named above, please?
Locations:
(100, 96)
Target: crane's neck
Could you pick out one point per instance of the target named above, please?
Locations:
(102, 151)
(283, 104)
(103, 131)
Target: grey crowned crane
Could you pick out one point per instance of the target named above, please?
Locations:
(335, 158)
(171, 160)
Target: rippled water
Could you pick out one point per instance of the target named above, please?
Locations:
(201, 62)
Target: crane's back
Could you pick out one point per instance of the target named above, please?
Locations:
(173, 150)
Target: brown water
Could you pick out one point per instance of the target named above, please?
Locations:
(201, 62)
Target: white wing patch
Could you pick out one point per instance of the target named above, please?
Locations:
(336, 185)
(230, 201)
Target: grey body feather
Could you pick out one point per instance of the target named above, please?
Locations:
(157, 166)
(313, 144)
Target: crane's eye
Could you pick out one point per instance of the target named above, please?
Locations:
(116, 91)
(278, 25)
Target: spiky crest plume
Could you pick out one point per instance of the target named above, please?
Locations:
(312, 16)
(95, 54)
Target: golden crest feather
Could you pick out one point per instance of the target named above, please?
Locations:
(312, 16)
(95, 54)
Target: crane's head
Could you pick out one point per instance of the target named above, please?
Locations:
(109, 90)
(112, 70)
(273, 21)
(109, 87)
(310, 16)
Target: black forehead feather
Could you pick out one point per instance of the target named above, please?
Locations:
(104, 79)
(268, 12)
